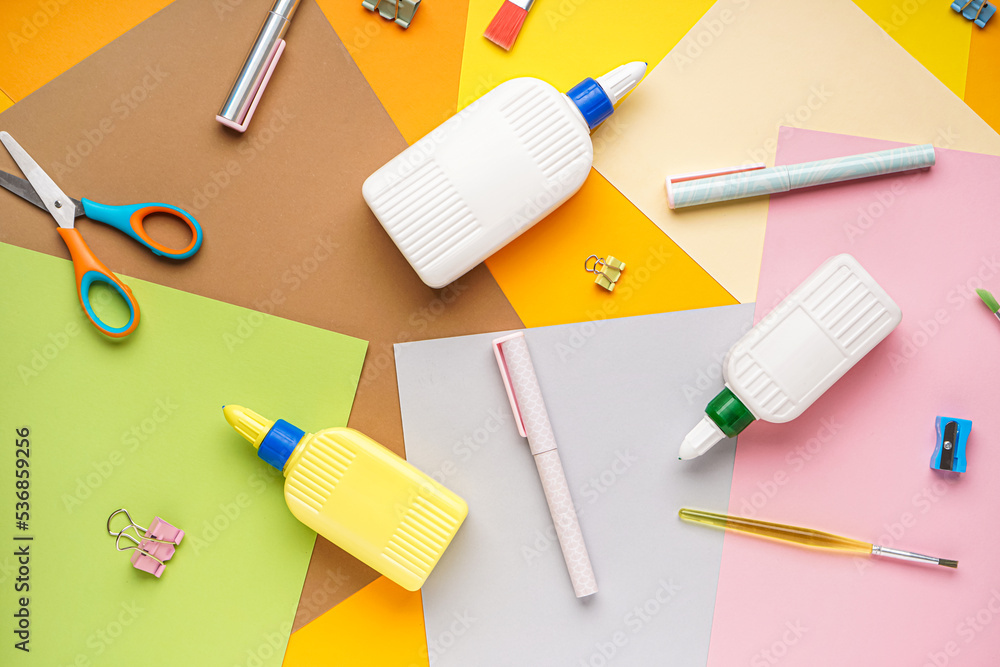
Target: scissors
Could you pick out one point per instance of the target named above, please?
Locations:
(42, 191)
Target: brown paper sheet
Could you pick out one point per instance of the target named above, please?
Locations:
(286, 229)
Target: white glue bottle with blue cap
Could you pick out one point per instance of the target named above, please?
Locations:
(492, 171)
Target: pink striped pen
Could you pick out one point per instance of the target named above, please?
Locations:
(533, 423)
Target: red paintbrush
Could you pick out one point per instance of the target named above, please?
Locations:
(506, 25)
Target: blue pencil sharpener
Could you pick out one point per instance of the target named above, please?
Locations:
(952, 436)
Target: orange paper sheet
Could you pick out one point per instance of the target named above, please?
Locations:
(981, 90)
(542, 272)
(413, 71)
(354, 633)
(44, 38)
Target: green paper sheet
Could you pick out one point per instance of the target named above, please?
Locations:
(138, 424)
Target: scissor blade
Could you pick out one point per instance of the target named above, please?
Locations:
(55, 200)
(23, 189)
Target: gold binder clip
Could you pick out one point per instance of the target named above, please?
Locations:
(399, 11)
(608, 270)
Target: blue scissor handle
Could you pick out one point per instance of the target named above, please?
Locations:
(91, 277)
(88, 270)
(129, 220)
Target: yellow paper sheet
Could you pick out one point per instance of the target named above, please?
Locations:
(543, 276)
(542, 272)
(565, 41)
(5, 102)
(44, 38)
(931, 32)
(745, 69)
(382, 625)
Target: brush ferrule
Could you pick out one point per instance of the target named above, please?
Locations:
(523, 4)
(878, 550)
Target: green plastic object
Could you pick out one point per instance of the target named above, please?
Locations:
(399, 11)
(729, 413)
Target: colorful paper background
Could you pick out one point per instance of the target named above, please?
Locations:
(417, 75)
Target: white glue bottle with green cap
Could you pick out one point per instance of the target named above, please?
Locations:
(793, 355)
(490, 172)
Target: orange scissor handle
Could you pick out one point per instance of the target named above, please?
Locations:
(89, 270)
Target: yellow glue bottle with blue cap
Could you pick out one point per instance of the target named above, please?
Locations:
(359, 495)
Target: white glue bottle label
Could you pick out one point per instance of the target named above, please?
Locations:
(492, 171)
(793, 355)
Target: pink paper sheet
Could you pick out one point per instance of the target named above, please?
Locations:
(857, 462)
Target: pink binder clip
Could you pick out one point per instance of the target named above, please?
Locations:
(152, 546)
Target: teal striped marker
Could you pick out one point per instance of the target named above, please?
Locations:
(737, 182)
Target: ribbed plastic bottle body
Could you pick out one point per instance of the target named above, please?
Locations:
(482, 178)
(810, 340)
(372, 503)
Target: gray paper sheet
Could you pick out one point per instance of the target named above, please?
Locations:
(621, 395)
